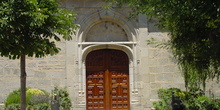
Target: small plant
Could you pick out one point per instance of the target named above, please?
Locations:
(35, 98)
(40, 99)
(13, 107)
(13, 98)
(63, 97)
(192, 100)
(165, 96)
(34, 91)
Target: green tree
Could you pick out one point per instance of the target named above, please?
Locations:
(194, 27)
(31, 28)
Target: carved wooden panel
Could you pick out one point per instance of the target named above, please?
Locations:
(118, 58)
(107, 80)
(95, 91)
(95, 58)
(119, 88)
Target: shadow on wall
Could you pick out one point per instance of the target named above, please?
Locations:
(152, 25)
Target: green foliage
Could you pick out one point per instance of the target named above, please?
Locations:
(35, 92)
(192, 100)
(31, 27)
(13, 107)
(198, 103)
(39, 106)
(216, 103)
(13, 98)
(63, 97)
(36, 98)
(194, 27)
(165, 95)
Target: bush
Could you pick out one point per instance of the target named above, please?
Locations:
(63, 97)
(216, 104)
(13, 107)
(35, 92)
(192, 100)
(39, 106)
(35, 99)
(202, 103)
(165, 96)
(14, 98)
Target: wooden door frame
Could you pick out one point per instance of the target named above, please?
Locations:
(108, 83)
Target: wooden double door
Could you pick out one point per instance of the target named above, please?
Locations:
(107, 80)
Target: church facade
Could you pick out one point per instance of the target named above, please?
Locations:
(108, 64)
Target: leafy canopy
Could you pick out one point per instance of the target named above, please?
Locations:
(194, 27)
(31, 27)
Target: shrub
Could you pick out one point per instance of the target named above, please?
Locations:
(216, 104)
(34, 91)
(13, 107)
(202, 103)
(13, 98)
(35, 98)
(39, 106)
(63, 97)
(165, 96)
(38, 99)
(39, 102)
(192, 100)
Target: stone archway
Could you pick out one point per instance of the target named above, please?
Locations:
(106, 32)
(107, 80)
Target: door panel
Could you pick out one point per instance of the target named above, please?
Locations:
(107, 80)
(119, 91)
(95, 91)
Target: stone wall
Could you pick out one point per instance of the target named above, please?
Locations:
(43, 73)
(150, 67)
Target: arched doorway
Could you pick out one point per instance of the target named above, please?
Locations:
(107, 80)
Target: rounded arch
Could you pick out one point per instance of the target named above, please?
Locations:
(84, 48)
(107, 32)
(123, 48)
(107, 70)
(106, 15)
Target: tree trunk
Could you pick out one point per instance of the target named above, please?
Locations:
(23, 82)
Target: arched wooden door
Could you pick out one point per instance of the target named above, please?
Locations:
(107, 80)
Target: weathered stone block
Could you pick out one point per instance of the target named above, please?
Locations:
(155, 85)
(31, 64)
(6, 71)
(152, 77)
(153, 94)
(39, 74)
(169, 85)
(15, 72)
(169, 69)
(1, 72)
(163, 61)
(155, 69)
(168, 77)
(152, 62)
